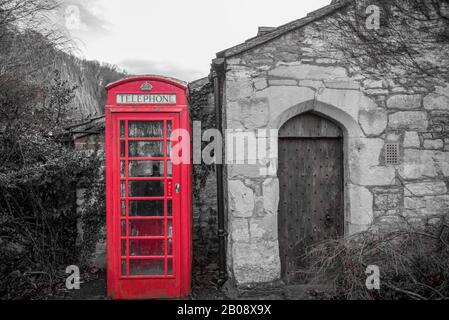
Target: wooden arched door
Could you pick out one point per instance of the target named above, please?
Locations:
(311, 208)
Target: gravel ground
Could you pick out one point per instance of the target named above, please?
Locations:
(94, 288)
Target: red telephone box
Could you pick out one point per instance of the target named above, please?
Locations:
(148, 195)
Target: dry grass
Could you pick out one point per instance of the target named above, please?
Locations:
(413, 262)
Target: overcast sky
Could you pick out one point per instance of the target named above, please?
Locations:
(177, 38)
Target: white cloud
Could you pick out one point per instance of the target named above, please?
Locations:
(72, 17)
(147, 67)
(82, 16)
(176, 38)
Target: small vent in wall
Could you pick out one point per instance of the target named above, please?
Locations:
(392, 154)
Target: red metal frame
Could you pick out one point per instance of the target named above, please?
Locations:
(172, 284)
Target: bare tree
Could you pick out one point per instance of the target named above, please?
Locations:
(28, 36)
(410, 45)
(27, 13)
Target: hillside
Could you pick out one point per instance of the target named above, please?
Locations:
(31, 57)
(90, 77)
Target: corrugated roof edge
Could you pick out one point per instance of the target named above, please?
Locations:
(86, 122)
(88, 127)
(257, 41)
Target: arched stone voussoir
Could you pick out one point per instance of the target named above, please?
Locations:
(347, 123)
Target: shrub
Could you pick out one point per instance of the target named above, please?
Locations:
(39, 174)
(38, 219)
(413, 262)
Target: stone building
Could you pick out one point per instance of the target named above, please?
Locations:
(352, 150)
(337, 150)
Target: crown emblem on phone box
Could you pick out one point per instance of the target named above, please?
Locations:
(146, 87)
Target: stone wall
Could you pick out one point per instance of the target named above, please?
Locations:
(97, 258)
(269, 84)
(90, 142)
(205, 223)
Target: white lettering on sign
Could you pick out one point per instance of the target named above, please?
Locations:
(146, 99)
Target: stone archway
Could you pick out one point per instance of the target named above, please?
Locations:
(352, 135)
(349, 125)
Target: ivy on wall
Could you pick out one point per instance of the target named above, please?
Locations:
(205, 214)
(200, 110)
